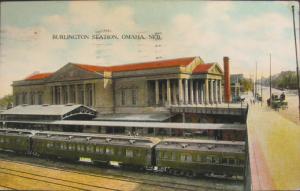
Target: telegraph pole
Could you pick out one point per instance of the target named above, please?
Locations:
(270, 80)
(255, 81)
(261, 92)
(296, 51)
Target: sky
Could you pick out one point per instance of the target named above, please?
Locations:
(246, 32)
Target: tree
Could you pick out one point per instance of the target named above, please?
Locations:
(6, 101)
(247, 84)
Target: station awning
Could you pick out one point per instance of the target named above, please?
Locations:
(147, 117)
(48, 112)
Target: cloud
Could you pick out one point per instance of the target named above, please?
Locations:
(211, 33)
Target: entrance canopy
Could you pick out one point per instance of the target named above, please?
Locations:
(48, 112)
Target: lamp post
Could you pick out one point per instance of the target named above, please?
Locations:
(296, 52)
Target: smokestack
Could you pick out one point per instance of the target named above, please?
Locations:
(227, 88)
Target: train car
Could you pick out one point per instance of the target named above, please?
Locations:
(124, 150)
(15, 140)
(191, 157)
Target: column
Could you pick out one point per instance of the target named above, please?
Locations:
(53, 95)
(61, 95)
(163, 92)
(206, 92)
(84, 94)
(186, 91)
(174, 94)
(216, 91)
(168, 92)
(211, 96)
(191, 92)
(201, 92)
(180, 91)
(76, 93)
(197, 92)
(69, 94)
(220, 91)
(93, 94)
(156, 92)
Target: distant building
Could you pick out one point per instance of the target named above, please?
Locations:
(236, 87)
(131, 88)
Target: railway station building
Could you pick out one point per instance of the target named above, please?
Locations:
(131, 88)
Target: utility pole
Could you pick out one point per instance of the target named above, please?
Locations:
(261, 92)
(296, 51)
(255, 82)
(270, 80)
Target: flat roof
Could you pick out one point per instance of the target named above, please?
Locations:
(203, 145)
(168, 125)
(53, 110)
(149, 117)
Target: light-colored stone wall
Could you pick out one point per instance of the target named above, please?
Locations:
(45, 90)
(138, 84)
(104, 96)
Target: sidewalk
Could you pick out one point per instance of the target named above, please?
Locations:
(274, 148)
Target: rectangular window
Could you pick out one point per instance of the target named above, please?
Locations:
(134, 96)
(209, 159)
(224, 161)
(63, 146)
(99, 149)
(40, 99)
(109, 151)
(49, 145)
(90, 148)
(173, 156)
(129, 153)
(215, 160)
(231, 161)
(32, 98)
(123, 97)
(186, 158)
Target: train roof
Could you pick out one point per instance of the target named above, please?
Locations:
(98, 138)
(167, 125)
(203, 145)
(17, 131)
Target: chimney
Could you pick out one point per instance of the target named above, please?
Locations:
(227, 88)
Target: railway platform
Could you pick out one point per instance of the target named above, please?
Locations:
(274, 150)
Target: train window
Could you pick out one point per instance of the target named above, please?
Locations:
(224, 161)
(240, 162)
(209, 159)
(129, 153)
(90, 148)
(71, 147)
(231, 161)
(138, 153)
(186, 158)
(7, 140)
(201, 158)
(163, 155)
(80, 147)
(99, 149)
(1, 140)
(49, 145)
(63, 146)
(215, 160)
(173, 156)
(109, 151)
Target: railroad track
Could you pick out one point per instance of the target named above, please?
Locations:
(80, 186)
(157, 183)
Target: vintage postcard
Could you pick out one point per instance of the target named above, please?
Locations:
(149, 95)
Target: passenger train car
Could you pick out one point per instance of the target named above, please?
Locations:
(176, 156)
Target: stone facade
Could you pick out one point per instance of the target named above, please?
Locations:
(133, 88)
